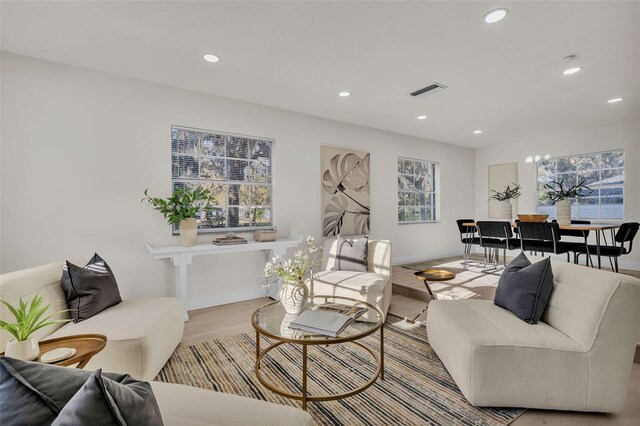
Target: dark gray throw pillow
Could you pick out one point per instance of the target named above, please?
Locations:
(524, 289)
(89, 289)
(35, 393)
(351, 256)
(101, 401)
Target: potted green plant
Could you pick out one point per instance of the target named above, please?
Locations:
(561, 196)
(182, 208)
(504, 197)
(29, 318)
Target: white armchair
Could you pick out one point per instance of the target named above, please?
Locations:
(373, 286)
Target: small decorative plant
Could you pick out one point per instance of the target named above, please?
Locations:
(508, 193)
(295, 270)
(292, 272)
(29, 318)
(557, 191)
(184, 203)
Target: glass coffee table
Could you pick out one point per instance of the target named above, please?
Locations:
(272, 321)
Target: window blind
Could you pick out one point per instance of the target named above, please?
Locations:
(237, 170)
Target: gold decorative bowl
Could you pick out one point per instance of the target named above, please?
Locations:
(533, 217)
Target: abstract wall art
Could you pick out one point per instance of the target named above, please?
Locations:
(345, 191)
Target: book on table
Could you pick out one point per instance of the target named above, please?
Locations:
(226, 241)
(329, 319)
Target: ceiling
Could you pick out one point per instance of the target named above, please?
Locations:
(505, 78)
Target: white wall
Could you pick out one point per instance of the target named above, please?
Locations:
(618, 136)
(79, 147)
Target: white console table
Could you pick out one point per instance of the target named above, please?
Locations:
(182, 257)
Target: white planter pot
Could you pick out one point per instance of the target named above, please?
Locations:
(563, 212)
(26, 350)
(293, 297)
(188, 232)
(506, 210)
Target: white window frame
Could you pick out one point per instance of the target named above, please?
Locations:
(204, 228)
(432, 197)
(575, 204)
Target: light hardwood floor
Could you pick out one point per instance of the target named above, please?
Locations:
(235, 318)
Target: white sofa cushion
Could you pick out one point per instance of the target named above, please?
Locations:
(142, 334)
(369, 287)
(189, 406)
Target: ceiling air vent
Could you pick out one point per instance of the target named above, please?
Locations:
(428, 89)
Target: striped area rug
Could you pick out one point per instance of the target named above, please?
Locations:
(417, 389)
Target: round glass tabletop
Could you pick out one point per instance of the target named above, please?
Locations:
(273, 321)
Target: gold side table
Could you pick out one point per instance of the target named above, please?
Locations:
(431, 275)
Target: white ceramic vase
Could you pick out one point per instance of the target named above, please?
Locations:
(506, 210)
(293, 297)
(563, 212)
(26, 350)
(188, 232)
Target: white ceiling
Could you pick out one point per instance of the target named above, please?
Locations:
(505, 78)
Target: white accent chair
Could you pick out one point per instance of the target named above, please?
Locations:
(373, 286)
(577, 358)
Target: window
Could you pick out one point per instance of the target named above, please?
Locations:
(236, 168)
(603, 172)
(416, 191)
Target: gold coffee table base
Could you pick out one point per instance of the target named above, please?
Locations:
(271, 321)
(304, 397)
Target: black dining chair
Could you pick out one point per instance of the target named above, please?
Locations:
(626, 233)
(496, 235)
(544, 237)
(467, 237)
(579, 234)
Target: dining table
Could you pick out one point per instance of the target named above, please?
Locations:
(598, 228)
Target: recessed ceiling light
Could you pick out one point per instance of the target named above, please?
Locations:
(570, 71)
(495, 15)
(210, 57)
(614, 100)
(536, 158)
(344, 94)
(477, 132)
(529, 159)
(547, 156)
(422, 117)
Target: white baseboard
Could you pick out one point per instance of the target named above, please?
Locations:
(226, 298)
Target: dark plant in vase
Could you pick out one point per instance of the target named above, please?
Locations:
(561, 196)
(508, 193)
(506, 210)
(557, 191)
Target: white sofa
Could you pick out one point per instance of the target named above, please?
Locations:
(577, 358)
(373, 286)
(141, 333)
